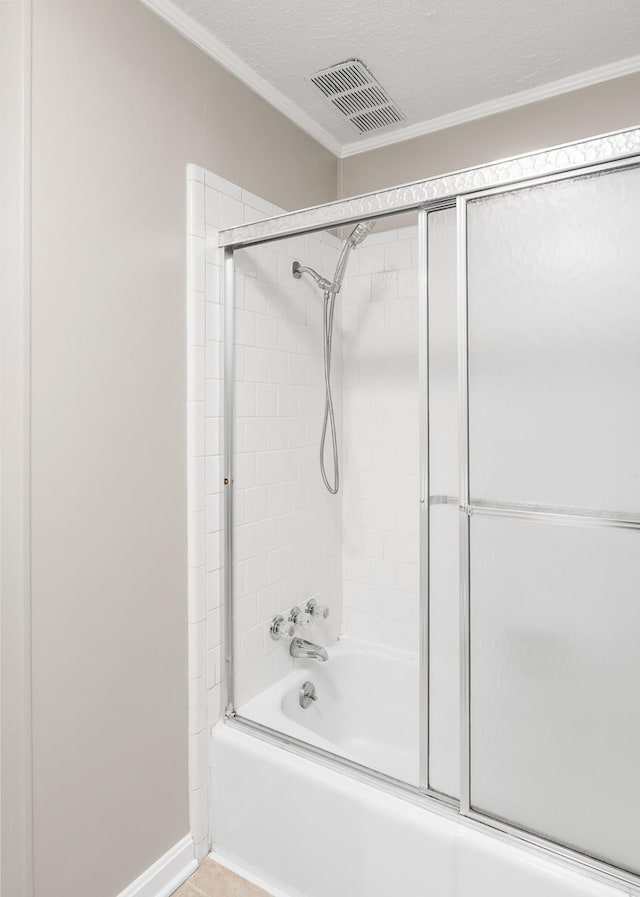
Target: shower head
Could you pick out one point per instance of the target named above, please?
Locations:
(360, 232)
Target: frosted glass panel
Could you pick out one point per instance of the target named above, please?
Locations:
(443, 354)
(554, 331)
(444, 651)
(555, 667)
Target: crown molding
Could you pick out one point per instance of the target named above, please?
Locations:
(203, 39)
(513, 101)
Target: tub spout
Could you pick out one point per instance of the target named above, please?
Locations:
(300, 647)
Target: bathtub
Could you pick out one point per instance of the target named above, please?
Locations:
(366, 708)
(302, 826)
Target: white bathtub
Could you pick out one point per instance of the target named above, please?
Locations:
(302, 828)
(367, 707)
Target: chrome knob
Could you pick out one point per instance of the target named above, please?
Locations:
(281, 628)
(317, 612)
(300, 619)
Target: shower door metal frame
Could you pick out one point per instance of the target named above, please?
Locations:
(617, 150)
(548, 514)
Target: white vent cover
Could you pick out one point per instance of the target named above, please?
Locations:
(351, 89)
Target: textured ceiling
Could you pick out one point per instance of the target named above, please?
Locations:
(434, 57)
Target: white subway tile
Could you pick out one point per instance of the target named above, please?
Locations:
(214, 589)
(214, 407)
(213, 542)
(213, 321)
(214, 667)
(214, 512)
(195, 318)
(197, 760)
(213, 436)
(213, 253)
(212, 207)
(195, 210)
(214, 706)
(222, 185)
(255, 296)
(256, 365)
(251, 646)
(231, 211)
(213, 474)
(195, 373)
(213, 283)
(256, 573)
(245, 328)
(197, 704)
(266, 399)
(245, 399)
(197, 650)
(266, 332)
(245, 470)
(262, 205)
(251, 214)
(277, 367)
(196, 596)
(397, 255)
(195, 264)
(255, 435)
(198, 821)
(195, 484)
(266, 265)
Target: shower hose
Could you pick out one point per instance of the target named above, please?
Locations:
(329, 420)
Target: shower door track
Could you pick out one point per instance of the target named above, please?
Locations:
(613, 151)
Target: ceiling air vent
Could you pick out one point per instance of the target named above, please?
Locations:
(353, 91)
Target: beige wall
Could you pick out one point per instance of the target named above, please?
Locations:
(121, 104)
(15, 834)
(610, 106)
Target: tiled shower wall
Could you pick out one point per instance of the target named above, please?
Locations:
(293, 540)
(287, 528)
(380, 441)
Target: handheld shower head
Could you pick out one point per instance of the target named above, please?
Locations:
(360, 232)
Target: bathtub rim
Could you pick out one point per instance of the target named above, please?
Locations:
(442, 805)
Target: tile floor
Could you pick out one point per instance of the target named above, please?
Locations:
(212, 880)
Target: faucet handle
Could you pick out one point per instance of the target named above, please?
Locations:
(281, 628)
(300, 619)
(317, 612)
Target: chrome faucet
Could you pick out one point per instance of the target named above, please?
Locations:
(300, 647)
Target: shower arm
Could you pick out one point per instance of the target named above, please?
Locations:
(325, 285)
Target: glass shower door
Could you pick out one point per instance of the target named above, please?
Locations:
(553, 343)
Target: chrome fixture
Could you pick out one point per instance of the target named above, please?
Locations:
(300, 619)
(298, 270)
(300, 647)
(316, 611)
(330, 288)
(281, 628)
(307, 695)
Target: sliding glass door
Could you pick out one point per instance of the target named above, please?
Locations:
(552, 582)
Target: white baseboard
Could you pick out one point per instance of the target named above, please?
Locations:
(166, 874)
